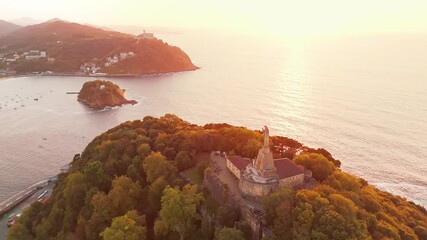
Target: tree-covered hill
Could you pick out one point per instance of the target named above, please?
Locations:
(71, 45)
(126, 185)
(341, 207)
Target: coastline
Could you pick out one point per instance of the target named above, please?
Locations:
(11, 77)
(96, 75)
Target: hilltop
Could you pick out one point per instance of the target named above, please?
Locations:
(59, 46)
(132, 181)
(7, 27)
(52, 31)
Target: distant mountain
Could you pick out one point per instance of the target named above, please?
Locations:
(66, 47)
(55, 20)
(7, 27)
(25, 21)
(53, 31)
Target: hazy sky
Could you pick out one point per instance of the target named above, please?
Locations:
(293, 18)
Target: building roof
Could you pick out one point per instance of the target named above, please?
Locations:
(239, 161)
(286, 168)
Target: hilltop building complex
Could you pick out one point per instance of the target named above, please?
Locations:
(264, 175)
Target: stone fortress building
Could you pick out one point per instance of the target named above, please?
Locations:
(264, 175)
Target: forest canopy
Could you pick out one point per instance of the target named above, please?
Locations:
(126, 185)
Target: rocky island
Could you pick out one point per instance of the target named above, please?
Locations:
(101, 94)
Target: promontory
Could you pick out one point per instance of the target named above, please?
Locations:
(58, 47)
(166, 178)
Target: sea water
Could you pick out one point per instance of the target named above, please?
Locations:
(363, 98)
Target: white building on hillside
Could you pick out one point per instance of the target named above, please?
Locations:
(35, 55)
(145, 35)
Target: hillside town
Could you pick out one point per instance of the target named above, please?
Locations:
(93, 67)
(6, 59)
(30, 55)
(9, 60)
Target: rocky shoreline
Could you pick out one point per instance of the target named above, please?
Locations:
(106, 107)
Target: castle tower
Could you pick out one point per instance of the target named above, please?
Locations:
(264, 161)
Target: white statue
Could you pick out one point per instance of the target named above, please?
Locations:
(266, 137)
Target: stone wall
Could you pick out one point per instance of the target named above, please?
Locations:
(294, 181)
(256, 190)
(218, 190)
(254, 219)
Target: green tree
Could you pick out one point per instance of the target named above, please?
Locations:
(343, 205)
(124, 195)
(95, 175)
(183, 160)
(251, 148)
(284, 220)
(132, 172)
(334, 225)
(304, 214)
(171, 121)
(273, 200)
(200, 140)
(169, 153)
(124, 228)
(100, 218)
(75, 196)
(161, 142)
(229, 234)
(156, 165)
(317, 163)
(178, 211)
(387, 230)
(75, 190)
(143, 150)
(43, 229)
(19, 232)
(154, 196)
(344, 182)
(421, 232)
